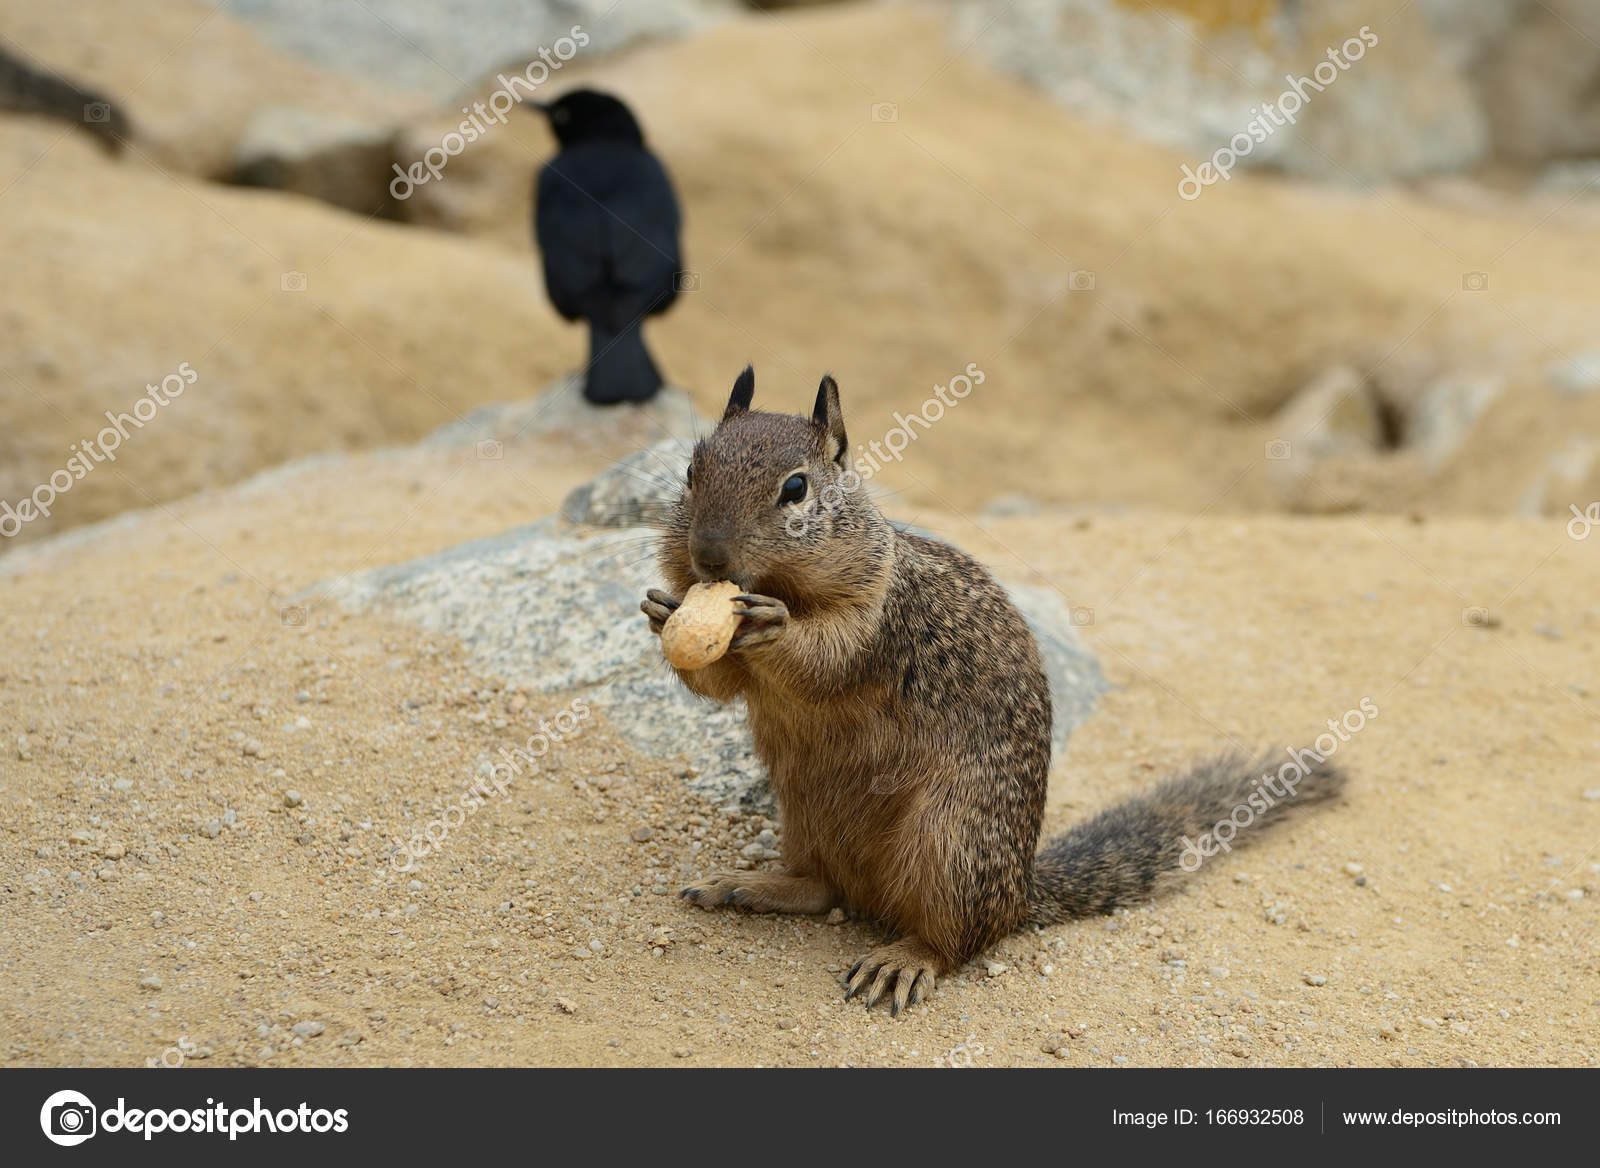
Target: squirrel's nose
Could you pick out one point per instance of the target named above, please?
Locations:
(710, 555)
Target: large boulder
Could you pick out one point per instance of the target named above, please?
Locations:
(1447, 83)
(1540, 86)
(561, 409)
(321, 156)
(190, 77)
(554, 607)
(436, 47)
(1192, 74)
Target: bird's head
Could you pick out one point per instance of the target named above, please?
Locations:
(587, 115)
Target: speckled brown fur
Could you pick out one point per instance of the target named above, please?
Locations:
(897, 698)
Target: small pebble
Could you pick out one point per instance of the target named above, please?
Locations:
(211, 829)
(994, 968)
(150, 983)
(293, 798)
(566, 1006)
(642, 833)
(1353, 869)
(1315, 979)
(308, 1029)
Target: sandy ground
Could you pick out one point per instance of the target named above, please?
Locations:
(164, 901)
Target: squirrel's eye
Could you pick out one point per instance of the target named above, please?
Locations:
(688, 476)
(794, 489)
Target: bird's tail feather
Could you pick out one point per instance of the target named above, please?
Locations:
(1118, 857)
(620, 368)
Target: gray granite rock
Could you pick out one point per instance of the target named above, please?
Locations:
(1446, 413)
(1195, 80)
(634, 492)
(1577, 376)
(561, 410)
(319, 155)
(439, 47)
(554, 607)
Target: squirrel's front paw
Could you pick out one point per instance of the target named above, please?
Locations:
(723, 888)
(658, 606)
(905, 970)
(764, 620)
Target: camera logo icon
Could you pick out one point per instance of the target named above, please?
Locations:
(490, 450)
(1081, 281)
(292, 282)
(293, 616)
(885, 111)
(1279, 449)
(68, 1118)
(97, 111)
(1082, 617)
(1474, 281)
(686, 281)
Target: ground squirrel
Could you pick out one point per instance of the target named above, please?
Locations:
(897, 699)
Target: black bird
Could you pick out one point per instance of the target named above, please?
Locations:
(606, 221)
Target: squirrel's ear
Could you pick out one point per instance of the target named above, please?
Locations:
(828, 419)
(743, 390)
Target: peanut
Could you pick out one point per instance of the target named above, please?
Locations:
(699, 631)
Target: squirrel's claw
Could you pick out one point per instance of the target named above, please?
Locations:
(907, 968)
(658, 606)
(764, 619)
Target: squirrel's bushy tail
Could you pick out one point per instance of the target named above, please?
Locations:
(1119, 856)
